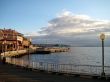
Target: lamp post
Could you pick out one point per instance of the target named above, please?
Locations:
(102, 37)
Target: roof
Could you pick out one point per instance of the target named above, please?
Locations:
(9, 34)
(10, 31)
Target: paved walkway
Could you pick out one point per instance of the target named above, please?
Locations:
(11, 73)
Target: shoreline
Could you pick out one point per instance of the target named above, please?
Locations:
(34, 50)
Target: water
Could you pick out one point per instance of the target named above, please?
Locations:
(86, 60)
(76, 55)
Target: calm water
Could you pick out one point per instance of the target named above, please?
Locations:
(76, 55)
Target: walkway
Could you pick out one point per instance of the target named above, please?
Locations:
(11, 73)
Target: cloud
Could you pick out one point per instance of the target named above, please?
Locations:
(68, 27)
(67, 23)
(64, 13)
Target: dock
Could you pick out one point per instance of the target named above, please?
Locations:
(58, 49)
(53, 49)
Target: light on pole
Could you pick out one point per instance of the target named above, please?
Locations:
(102, 37)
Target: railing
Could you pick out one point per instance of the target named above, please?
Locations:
(61, 68)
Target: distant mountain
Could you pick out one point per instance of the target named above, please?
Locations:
(74, 42)
(51, 45)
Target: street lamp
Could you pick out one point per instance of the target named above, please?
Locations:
(102, 37)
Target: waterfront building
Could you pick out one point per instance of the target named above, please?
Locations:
(12, 40)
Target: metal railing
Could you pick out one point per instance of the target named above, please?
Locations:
(61, 68)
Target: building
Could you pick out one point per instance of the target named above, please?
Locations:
(12, 40)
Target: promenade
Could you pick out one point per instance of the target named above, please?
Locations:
(12, 73)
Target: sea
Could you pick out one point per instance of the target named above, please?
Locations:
(76, 56)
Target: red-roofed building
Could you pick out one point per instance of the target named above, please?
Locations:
(12, 40)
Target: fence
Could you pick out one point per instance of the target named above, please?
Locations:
(61, 68)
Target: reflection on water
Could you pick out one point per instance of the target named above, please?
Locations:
(77, 55)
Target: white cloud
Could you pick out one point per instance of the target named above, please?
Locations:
(34, 34)
(64, 13)
(68, 23)
(68, 26)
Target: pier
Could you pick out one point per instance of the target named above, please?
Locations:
(57, 49)
(48, 50)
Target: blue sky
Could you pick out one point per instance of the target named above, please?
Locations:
(32, 16)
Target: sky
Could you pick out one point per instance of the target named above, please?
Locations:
(62, 21)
